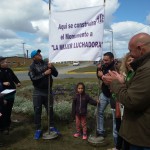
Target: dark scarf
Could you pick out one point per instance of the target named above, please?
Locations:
(140, 61)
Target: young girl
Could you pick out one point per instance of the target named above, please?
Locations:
(79, 109)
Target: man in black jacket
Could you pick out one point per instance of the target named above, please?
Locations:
(39, 73)
(106, 95)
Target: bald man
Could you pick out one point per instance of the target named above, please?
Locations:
(135, 94)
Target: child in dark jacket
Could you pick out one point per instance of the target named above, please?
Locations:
(79, 109)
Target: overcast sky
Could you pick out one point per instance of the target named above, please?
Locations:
(26, 21)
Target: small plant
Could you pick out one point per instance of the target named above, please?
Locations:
(62, 110)
(62, 93)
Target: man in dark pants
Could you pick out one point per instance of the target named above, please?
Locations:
(39, 73)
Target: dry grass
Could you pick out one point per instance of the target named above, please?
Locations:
(21, 133)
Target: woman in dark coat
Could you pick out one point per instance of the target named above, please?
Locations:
(9, 81)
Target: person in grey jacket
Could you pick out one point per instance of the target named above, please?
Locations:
(135, 95)
(39, 73)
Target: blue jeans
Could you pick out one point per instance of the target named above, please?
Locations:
(133, 147)
(104, 101)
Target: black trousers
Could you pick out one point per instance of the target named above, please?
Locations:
(121, 143)
(38, 101)
(5, 120)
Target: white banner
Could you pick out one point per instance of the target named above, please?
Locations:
(76, 35)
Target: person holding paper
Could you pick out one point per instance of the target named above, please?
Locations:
(9, 81)
(1, 115)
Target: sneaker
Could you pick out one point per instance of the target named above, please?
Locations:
(55, 130)
(77, 134)
(84, 137)
(37, 134)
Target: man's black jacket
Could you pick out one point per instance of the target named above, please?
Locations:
(36, 74)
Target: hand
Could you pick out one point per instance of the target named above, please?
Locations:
(99, 66)
(0, 114)
(100, 74)
(6, 83)
(19, 84)
(97, 101)
(48, 72)
(50, 65)
(110, 76)
(5, 102)
(121, 78)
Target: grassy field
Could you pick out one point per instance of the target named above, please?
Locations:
(85, 69)
(22, 129)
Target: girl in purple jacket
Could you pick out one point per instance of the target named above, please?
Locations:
(79, 109)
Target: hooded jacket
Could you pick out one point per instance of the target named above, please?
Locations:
(80, 102)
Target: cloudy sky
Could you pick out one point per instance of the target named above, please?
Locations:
(27, 21)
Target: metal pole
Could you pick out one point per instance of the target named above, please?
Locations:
(104, 2)
(112, 39)
(112, 42)
(99, 91)
(23, 51)
(110, 47)
(27, 53)
(49, 82)
(50, 134)
(49, 99)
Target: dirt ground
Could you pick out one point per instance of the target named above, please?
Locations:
(22, 131)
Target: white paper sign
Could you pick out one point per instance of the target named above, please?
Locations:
(76, 35)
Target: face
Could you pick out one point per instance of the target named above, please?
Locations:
(129, 60)
(107, 60)
(37, 57)
(80, 89)
(135, 51)
(4, 64)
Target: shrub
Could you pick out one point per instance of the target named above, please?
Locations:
(63, 94)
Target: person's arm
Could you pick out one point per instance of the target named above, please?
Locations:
(136, 97)
(74, 107)
(15, 78)
(54, 71)
(91, 100)
(99, 71)
(36, 75)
